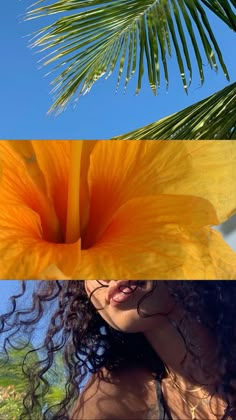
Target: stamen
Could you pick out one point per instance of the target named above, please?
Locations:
(78, 205)
(73, 204)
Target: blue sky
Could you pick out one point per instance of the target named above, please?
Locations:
(25, 92)
(101, 114)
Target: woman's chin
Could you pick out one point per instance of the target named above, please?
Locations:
(128, 320)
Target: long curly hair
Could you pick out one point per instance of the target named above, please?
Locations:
(87, 343)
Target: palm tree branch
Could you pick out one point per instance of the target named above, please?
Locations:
(223, 11)
(211, 118)
(93, 37)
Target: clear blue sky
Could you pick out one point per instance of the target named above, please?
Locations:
(102, 113)
(25, 97)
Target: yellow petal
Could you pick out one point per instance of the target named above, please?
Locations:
(25, 254)
(205, 168)
(25, 150)
(52, 272)
(119, 171)
(148, 239)
(122, 170)
(23, 183)
(54, 158)
(48, 163)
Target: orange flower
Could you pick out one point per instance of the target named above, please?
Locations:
(116, 209)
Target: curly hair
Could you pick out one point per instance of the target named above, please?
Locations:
(78, 332)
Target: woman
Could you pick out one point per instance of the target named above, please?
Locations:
(154, 349)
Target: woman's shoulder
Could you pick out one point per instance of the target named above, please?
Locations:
(125, 394)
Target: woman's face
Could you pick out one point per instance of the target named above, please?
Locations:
(131, 306)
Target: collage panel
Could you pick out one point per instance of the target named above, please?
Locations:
(116, 209)
(108, 349)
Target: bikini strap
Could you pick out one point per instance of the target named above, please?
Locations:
(162, 408)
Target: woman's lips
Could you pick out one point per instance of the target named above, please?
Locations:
(122, 291)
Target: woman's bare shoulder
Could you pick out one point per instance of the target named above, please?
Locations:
(125, 394)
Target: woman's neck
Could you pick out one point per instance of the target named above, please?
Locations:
(187, 349)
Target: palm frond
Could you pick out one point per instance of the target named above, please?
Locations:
(209, 119)
(94, 37)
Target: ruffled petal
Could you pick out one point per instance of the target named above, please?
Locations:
(204, 168)
(122, 170)
(151, 239)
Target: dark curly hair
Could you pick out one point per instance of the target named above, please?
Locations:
(88, 343)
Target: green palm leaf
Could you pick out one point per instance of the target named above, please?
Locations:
(93, 37)
(212, 118)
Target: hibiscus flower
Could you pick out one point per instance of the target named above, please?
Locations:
(113, 209)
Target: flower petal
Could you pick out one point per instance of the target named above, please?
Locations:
(23, 184)
(122, 170)
(204, 168)
(46, 164)
(54, 158)
(24, 253)
(160, 239)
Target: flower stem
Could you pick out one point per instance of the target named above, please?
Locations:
(73, 205)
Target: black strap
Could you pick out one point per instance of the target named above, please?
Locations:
(162, 408)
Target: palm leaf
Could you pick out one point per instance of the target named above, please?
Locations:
(211, 118)
(94, 37)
